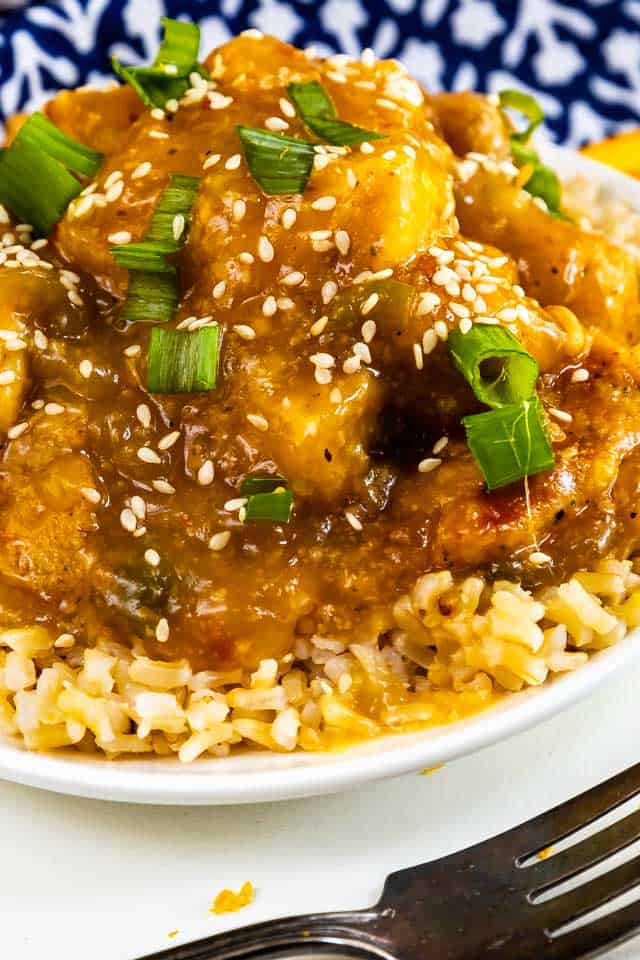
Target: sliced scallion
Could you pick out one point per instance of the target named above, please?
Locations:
(318, 113)
(510, 442)
(254, 484)
(176, 200)
(274, 507)
(168, 76)
(494, 363)
(528, 106)
(41, 133)
(277, 163)
(182, 362)
(148, 256)
(35, 187)
(151, 297)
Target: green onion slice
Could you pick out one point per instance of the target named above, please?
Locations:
(318, 113)
(528, 106)
(251, 485)
(151, 257)
(494, 363)
(39, 132)
(176, 200)
(277, 163)
(182, 362)
(510, 443)
(275, 506)
(168, 77)
(35, 187)
(151, 297)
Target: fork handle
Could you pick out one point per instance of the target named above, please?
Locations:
(361, 933)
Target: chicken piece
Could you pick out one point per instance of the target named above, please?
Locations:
(44, 524)
(386, 208)
(559, 263)
(472, 123)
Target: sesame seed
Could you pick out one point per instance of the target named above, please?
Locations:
(517, 289)
(246, 257)
(64, 641)
(389, 155)
(128, 520)
(320, 234)
(147, 455)
(239, 209)
(37, 404)
(276, 124)
(428, 303)
(120, 236)
(236, 504)
(561, 415)
(141, 170)
(352, 180)
(163, 486)
(285, 303)
(169, 439)
(439, 446)
(324, 360)
(41, 342)
(368, 57)
(139, 507)
(140, 532)
(336, 395)
(157, 113)
(53, 409)
(178, 225)
(351, 364)
(343, 242)
(580, 376)
(39, 244)
(288, 218)
(112, 179)
(233, 162)
(320, 161)
(7, 377)
(265, 250)
(219, 540)
(143, 413)
(368, 330)
(162, 630)
(211, 161)
(15, 345)
(219, 289)
(217, 101)
(75, 298)
(429, 464)
(441, 329)
(507, 314)
(352, 520)
(86, 368)
(321, 246)
(114, 192)
(362, 350)
(324, 203)
(369, 304)
(336, 77)
(539, 558)
(417, 355)
(453, 288)
(90, 494)
(387, 104)
(17, 430)
(293, 279)
(287, 107)
(317, 328)
(468, 293)
(258, 421)
(152, 557)
(269, 307)
(329, 290)
(244, 331)
(366, 147)
(465, 325)
(134, 350)
(322, 376)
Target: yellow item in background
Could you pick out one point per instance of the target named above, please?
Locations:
(621, 151)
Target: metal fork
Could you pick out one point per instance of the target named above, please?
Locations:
(479, 903)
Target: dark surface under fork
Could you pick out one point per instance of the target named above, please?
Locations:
(484, 902)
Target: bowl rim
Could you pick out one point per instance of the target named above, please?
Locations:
(255, 777)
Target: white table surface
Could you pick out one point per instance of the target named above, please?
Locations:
(82, 878)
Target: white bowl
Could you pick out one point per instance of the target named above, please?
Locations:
(257, 777)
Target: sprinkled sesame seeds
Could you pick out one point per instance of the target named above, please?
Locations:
(368, 57)
(288, 218)
(429, 464)
(163, 486)
(324, 360)
(64, 641)
(368, 330)
(389, 155)
(580, 375)
(211, 161)
(219, 289)
(440, 444)
(217, 101)
(205, 474)
(141, 170)
(115, 192)
(134, 350)
(237, 503)
(244, 331)
(233, 162)
(86, 368)
(369, 304)
(324, 203)
(265, 250)
(352, 520)
(277, 124)
(128, 520)
(441, 329)
(561, 415)
(465, 325)
(53, 409)
(269, 306)
(40, 340)
(178, 225)
(539, 558)
(258, 421)
(246, 257)
(285, 303)
(147, 455)
(287, 107)
(162, 630)
(152, 557)
(317, 327)
(366, 147)
(157, 113)
(169, 439)
(91, 494)
(143, 413)
(112, 179)
(428, 303)
(139, 507)
(329, 290)
(120, 236)
(343, 242)
(352, 180)
(17, 430)
(351, 364)
(322, 376)
(418, 356)
(219, 540)
(7, 377)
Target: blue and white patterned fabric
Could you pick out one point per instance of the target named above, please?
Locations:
(582, 59)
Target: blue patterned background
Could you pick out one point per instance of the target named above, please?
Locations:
(582, 58)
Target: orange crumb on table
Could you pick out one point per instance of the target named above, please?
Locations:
(228, 902)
